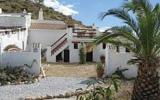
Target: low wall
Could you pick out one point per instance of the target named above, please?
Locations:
(31, 60)
(115, 60)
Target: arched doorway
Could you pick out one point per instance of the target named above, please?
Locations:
(12, 48)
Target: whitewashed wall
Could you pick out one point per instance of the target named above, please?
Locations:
(13, 59)
(50, 58)
(115, 60)
(74, 53)
(14, 39)
(44, 36)
(10, 20)
(97, 52)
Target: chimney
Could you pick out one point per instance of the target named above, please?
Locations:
(24, 11)
(0, 10)
(40, 17)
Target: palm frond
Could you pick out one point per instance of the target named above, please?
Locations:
(125, 16)
(142, 33)
(103, 37)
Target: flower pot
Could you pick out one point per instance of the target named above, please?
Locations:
(100, 73)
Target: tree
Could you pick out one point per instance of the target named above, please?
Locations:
(82, 54)
(141, 35)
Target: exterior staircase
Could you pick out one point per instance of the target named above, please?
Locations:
(58, 46)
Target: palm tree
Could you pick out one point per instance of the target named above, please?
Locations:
(141, 35)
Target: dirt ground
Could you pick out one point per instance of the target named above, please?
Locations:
(70, 70)
(86, 70)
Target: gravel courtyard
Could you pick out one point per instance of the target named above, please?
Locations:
(48, 85)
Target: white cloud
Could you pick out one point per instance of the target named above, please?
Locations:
(57, 6)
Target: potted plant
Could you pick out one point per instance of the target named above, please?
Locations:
(100, 70)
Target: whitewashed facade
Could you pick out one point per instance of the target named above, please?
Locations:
(30, 60)
(14, 30)
(61, 41)
(14, 49)
(117, 57)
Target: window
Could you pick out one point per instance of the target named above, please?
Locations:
(127, 50)
(104, 46)
(75, 45)
(117, 48)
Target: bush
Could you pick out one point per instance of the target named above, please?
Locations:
(100, 70)
(119, 72)
(99, 66)
(104, 90)
(16, 75)
(82, 55)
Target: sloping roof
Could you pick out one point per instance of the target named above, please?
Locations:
(46, 24)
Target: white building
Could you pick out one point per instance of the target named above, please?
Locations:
(117, 57)
(14, 49)
(61, 41)
(14, 30)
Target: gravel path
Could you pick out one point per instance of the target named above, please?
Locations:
(48, 85)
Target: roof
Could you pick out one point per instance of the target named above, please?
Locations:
(47, 24)
(14, 14)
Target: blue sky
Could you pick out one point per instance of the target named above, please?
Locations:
(88, 11)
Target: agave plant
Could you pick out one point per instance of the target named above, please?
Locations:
(141, 35)
(102, 89)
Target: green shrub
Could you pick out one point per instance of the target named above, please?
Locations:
(16, 75)
(103, 91)
(99, 66)
(82, 54)
(119, 72)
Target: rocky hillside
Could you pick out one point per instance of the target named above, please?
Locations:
(14, 6)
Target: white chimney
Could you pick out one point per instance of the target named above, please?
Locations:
(24, 11)
(0, 10)
(40, 17)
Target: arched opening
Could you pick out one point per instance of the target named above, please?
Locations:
(12, 48)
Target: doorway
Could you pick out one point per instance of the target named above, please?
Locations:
(59, 57)
(66, 55)
(89, 56)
